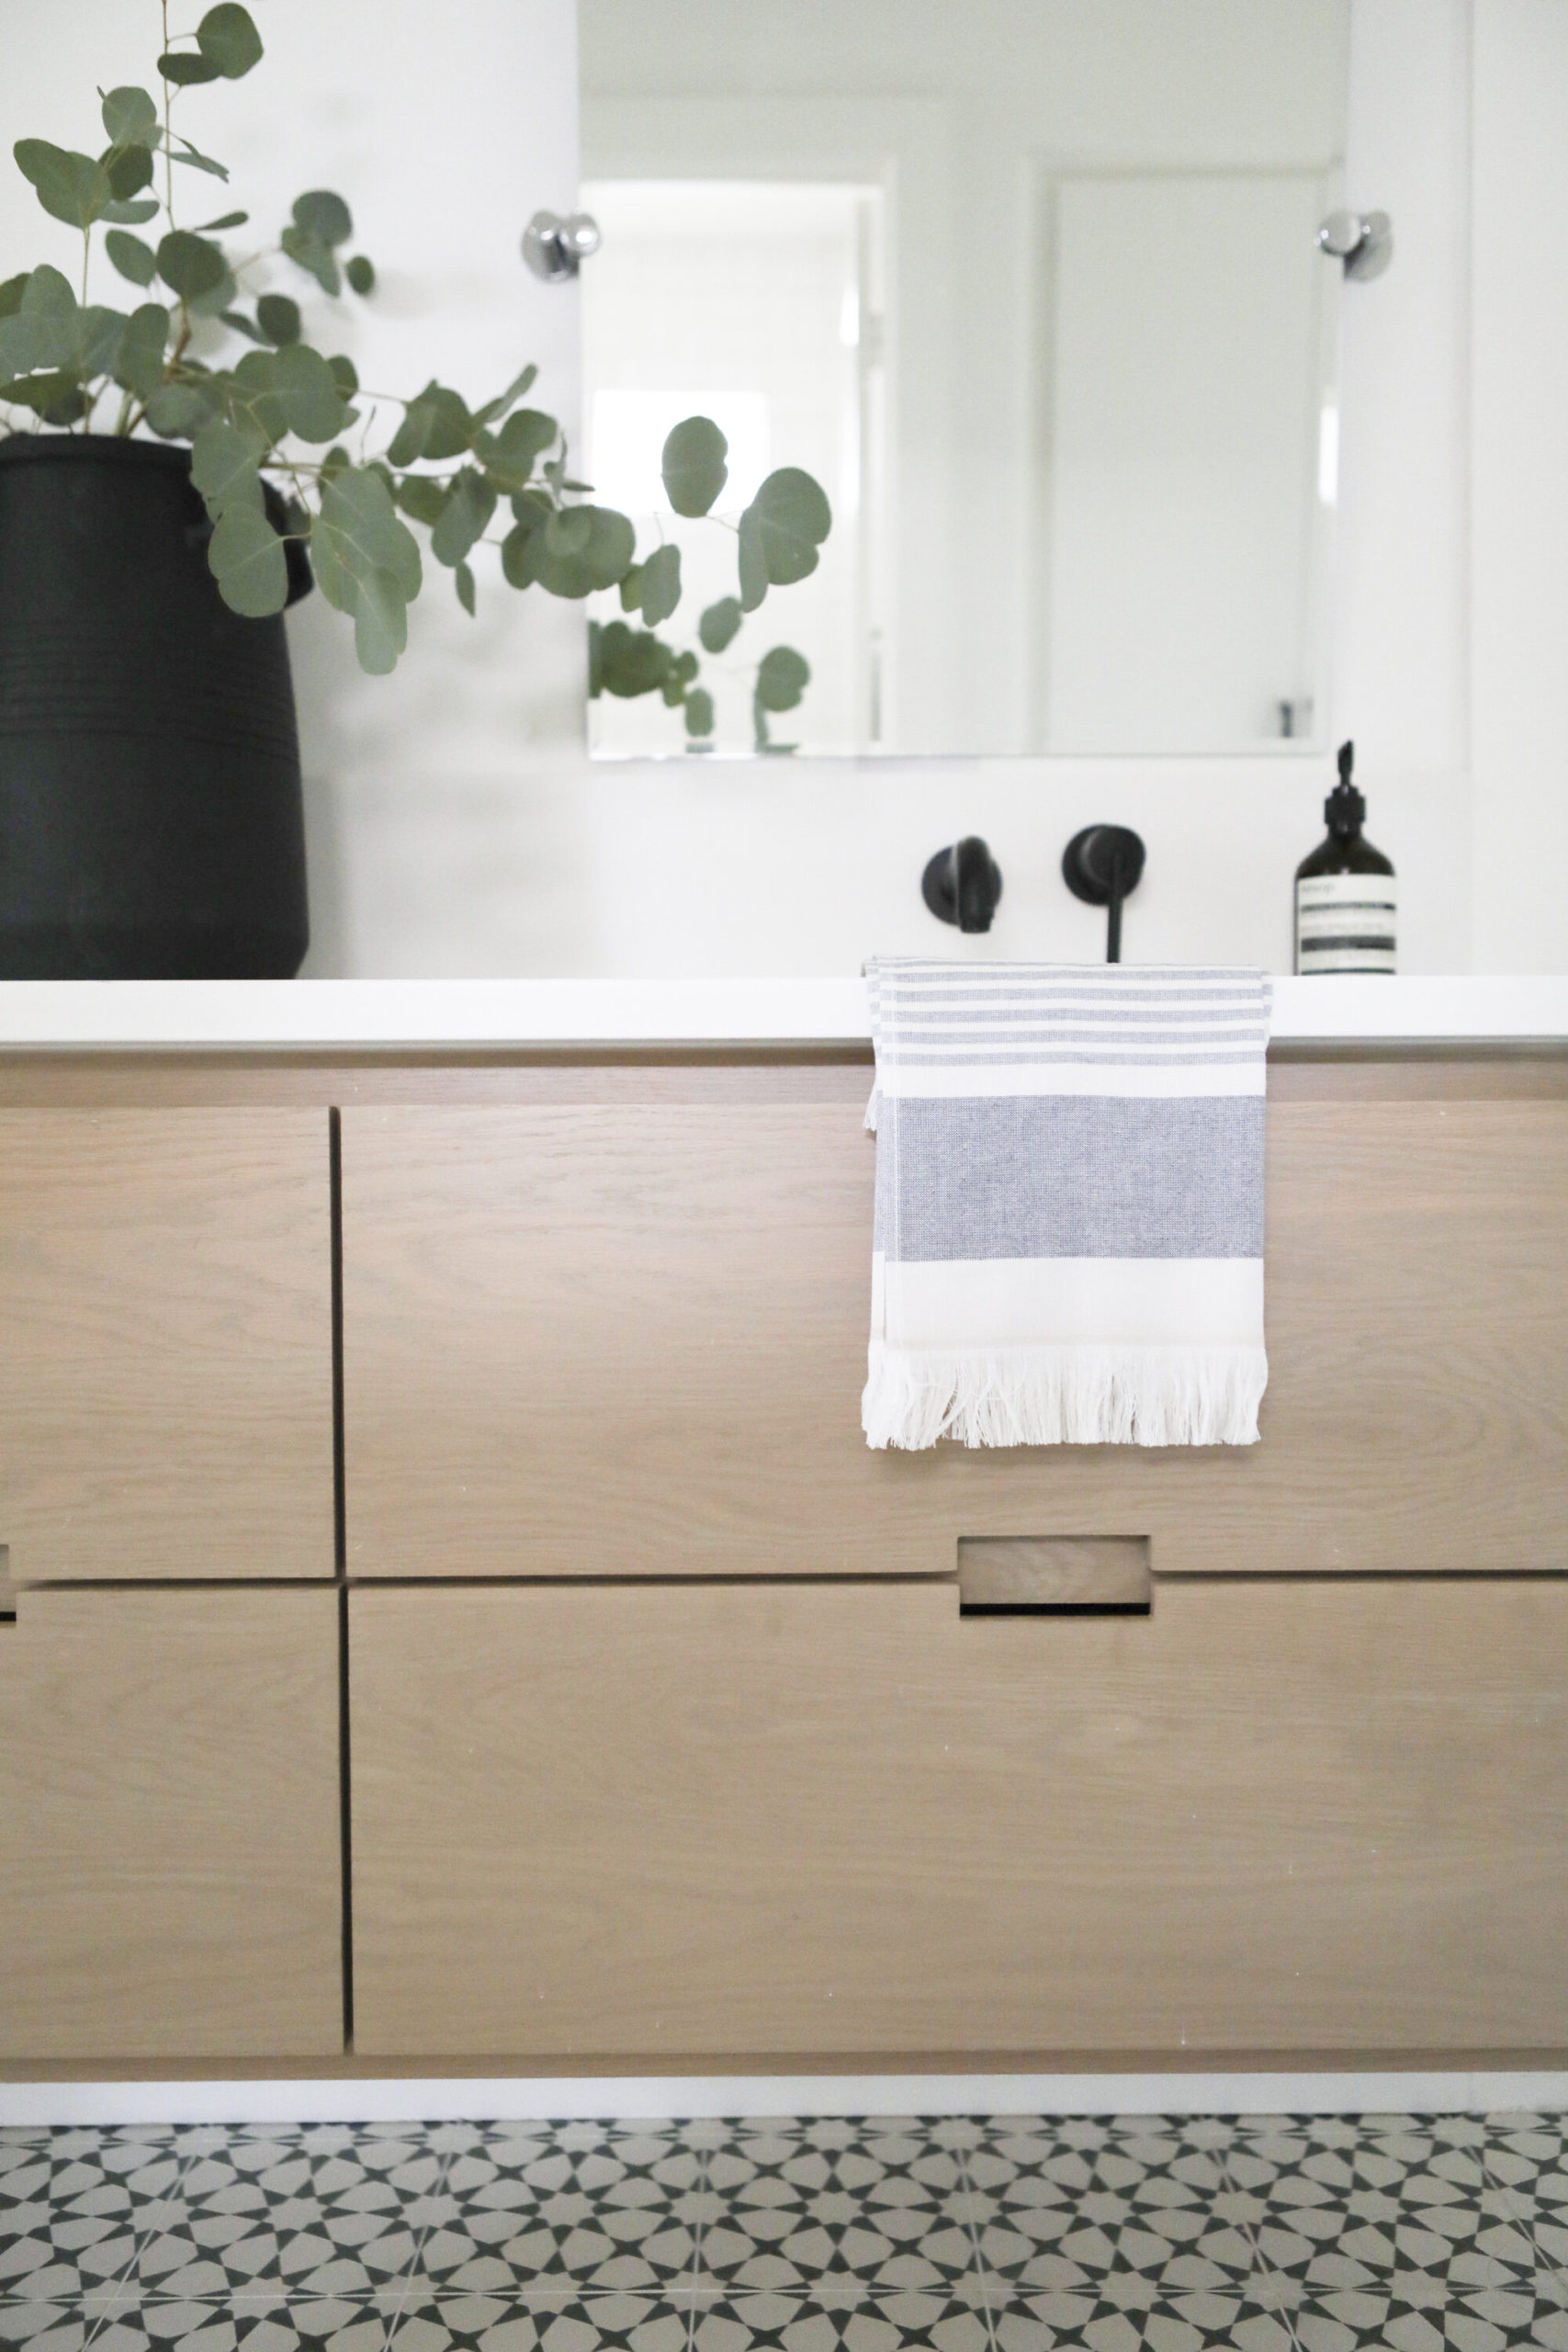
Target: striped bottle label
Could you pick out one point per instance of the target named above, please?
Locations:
(1346, 922)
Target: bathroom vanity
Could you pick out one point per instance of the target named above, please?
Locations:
(458, 1625)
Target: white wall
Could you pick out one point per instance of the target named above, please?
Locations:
(1520, 478)
(455, 825)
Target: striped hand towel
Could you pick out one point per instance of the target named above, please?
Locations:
(1068, 1244)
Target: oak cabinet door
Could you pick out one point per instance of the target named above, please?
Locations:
(723, 1822)
(165, 1344)
(630, 1340)
(170, 1850)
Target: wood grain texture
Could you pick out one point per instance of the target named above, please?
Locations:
(584, 1339)
(166, 1379)
(1316, 1816)
(170, 1864)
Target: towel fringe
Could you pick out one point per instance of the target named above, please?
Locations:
(1064, 1395)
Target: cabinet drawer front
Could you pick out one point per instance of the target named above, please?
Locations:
(715, 1821)
(170, 1863)
(167, 1372)
(584, 1340)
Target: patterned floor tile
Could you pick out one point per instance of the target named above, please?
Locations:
(600, 2210)
(44, 2327)
(495, 2323)
(303, 2327)
(784, 2323)
(72, 2213)
(881, 2207)
(1127, 2220)
(338, 2218)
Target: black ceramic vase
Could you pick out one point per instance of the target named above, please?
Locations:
(151, 819)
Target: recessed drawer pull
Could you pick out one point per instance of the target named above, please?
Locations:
(1033, 1575)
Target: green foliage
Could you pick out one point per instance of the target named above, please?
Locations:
(692, 465)
(719, 625)
(270, 406)
(130, 256)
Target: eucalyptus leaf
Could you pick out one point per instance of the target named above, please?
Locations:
(367, 563)
(72, 188)
(699, 712)
(130, 116)
(11, 294)
(305, 394)
(344, 374)
(753, 563)
(631, 661)
(463, 517)
(242, 325)
(600, 563)
(424, 497)
(97, 333)
(631, 590)
(278, 318)
(508, 456)
(679, 679)
(719, 624)
(692, 465)
(224, 466)
(792, 517)
(227, 220)
(309, 253)
(130, 169)
(246, 558)
(190, 266)
(569, 531)
(185, 69)
(55, 398)
(48, 293)
(782, 677)
(217, 299)
(360, 272)
(184, 152)
(508, 399)
(465, 583)
(228, 40)
(134, 260)
(522, 552)
(139, 367)
(661, 584)
(143, 208)
(179, 411)
(319, 213)
(29, 340)
(437, 425)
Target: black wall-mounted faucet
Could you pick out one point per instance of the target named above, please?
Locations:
(1102, 864)
(963, 883)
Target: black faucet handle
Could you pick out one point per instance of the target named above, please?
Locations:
(963, 883)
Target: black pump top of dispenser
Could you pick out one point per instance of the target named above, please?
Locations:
(1345, 810)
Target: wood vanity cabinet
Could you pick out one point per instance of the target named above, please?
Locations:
(166, 1371)
(626, 1338)
(170, 1872)
(774, 1821)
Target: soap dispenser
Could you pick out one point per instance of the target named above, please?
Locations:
(1346, 896)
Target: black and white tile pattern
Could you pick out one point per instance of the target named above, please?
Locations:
(1010, 2233)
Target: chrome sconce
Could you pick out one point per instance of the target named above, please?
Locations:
(556, 248)
(1363, 241)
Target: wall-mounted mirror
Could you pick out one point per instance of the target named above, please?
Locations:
(1031, 288)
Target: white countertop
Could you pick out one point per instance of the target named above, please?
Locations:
(162, 1015)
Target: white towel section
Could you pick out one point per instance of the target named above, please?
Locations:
(1069, 1205)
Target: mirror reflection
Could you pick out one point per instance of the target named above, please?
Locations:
(1033, 291)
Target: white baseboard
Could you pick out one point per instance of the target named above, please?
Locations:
(566, 2100)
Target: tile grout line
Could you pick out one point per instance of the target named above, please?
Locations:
(393, 2317)
(972, 2193)
(140, 2240)
(1262, 2266)
(1543, 2261)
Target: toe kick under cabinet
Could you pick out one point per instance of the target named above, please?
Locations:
(451, 1620)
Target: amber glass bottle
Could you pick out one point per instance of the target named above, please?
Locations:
(1347, 900)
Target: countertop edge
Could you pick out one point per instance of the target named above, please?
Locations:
(776, 1014)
